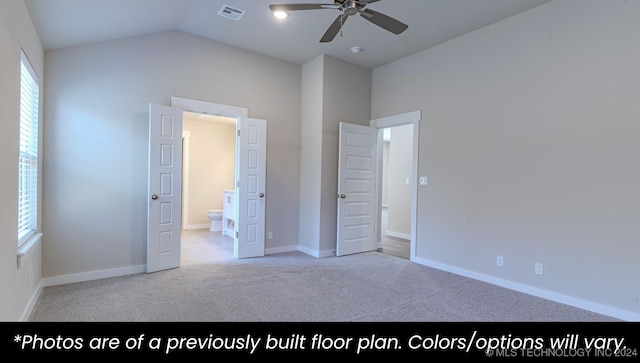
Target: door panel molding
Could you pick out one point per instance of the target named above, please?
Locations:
(250, 201)
(164, 188)
(356, 189)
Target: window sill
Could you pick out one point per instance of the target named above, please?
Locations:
(27, 246)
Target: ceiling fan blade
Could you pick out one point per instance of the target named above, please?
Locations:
(384, 21)
(293, 7)
(334, 28)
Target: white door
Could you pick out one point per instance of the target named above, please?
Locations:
(356, 189)
(164, 193)
(250, 187)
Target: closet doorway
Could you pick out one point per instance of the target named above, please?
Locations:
(396, 191)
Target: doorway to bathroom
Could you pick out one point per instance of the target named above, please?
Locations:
(165, 181)
(209, 158)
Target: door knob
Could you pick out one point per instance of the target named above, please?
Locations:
(342, 196)
(261, 195)
(154, 197)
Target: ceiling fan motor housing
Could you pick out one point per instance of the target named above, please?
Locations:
(351, 8)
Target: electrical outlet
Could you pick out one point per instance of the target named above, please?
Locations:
(538, 268)
(269, 235)
(500, 261)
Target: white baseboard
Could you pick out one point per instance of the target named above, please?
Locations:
(274, 250)
(327, 253)
(530, 290)
(308, 251)
(93, 275)
(316, 253)
(31, 303)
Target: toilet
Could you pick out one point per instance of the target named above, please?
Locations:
(216, 220)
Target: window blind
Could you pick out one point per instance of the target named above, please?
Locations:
(28, 156)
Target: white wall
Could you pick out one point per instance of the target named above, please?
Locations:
(310, 156)
(18, 286)
(96, 139)
(332, 92)
(529, 138)
(347, 98)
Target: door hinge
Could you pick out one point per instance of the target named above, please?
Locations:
(238, 132)
(236, 234)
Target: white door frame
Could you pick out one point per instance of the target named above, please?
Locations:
(409, 118)
(186, 146)
(209, 108)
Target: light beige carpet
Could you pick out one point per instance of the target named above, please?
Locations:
(295, 287)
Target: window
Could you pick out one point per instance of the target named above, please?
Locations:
(28, 157)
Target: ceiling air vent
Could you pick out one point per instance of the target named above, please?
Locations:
(230, 12)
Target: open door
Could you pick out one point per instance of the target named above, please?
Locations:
(250, 187)
(356, 189)
(164, 191)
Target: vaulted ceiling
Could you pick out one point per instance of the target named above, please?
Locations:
(67, 23)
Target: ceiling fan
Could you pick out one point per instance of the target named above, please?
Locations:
(347, 8)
